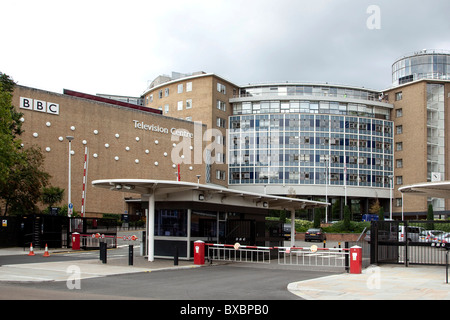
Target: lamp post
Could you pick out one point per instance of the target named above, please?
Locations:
(391, 188)
(69, 138)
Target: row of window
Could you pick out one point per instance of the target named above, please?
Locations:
(305, 141)
(309, 176)
(316, 107)
(311, 123)
(311, 90)
(187, 104)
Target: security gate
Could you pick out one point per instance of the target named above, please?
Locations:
(409, 242)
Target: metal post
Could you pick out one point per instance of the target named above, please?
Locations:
(69, 193)
(406, 243)
(175, 257)
(446, 266)
(103, 252)
(292, 227)
(347, 260)
(151, 227)
(130, 255)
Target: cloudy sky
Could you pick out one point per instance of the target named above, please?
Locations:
(118, 47)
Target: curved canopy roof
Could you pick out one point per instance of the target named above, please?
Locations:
(429, 189)
(161, 187)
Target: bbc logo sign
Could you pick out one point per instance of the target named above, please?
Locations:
(39, 105)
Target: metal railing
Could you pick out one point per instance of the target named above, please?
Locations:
(314, 256)
(94, 240)
(238, 253)
(297, 256)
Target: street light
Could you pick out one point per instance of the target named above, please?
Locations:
(69, 138)
(391, 188)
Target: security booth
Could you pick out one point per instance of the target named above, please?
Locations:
(180, 213)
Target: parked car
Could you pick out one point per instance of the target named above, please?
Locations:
(316, 234)
(287, 231)
(413, 233)
(431, 236)
(444, 237)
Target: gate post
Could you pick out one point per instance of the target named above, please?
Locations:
(406, 243)
(373, 242)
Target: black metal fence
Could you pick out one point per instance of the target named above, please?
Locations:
(53, 231)
(410, 242)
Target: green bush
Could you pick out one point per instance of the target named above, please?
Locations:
(353, 227)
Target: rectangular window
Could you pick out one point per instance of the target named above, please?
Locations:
(398, 96)
(399, 129)
(166, 92)
(222, 123)
(171, 222)
(160, 94)
(399, 163)
(189, 87)
(221, 105)
(180, 105)
(399, 113)
(399, 146)
(220, 175)
(180, 88)
(188, 103)
(221, 88)
(166, 108)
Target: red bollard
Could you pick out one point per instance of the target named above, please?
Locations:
(76, 241)
(355, 260)
(199, 252)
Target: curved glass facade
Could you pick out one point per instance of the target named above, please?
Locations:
(309, 142)
(298, 149)
(300, 98)
(427, 64)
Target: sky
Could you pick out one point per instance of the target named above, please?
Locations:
(119, 47)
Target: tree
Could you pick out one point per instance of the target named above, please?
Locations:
(375, 207)
(26, 179)
(318, 214)
(347, 215)
(52, 195)
(10, 128)
(381, 214)
(21, 174)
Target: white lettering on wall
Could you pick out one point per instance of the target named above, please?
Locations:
(157, 128)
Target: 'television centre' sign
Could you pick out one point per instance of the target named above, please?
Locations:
(157, 128)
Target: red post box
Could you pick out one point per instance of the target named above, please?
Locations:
(199, 252)
(355, 260)
(76, 240)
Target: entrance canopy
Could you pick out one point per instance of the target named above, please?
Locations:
(181, 191)
(188, 192)
(430, 189)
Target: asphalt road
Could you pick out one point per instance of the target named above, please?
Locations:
(221, 282)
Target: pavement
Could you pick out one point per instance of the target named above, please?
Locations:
(84, 268)
(386, 282)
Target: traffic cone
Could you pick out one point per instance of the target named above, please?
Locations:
(46, 254)
(31, 253)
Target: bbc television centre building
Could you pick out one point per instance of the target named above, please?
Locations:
(314, 142)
